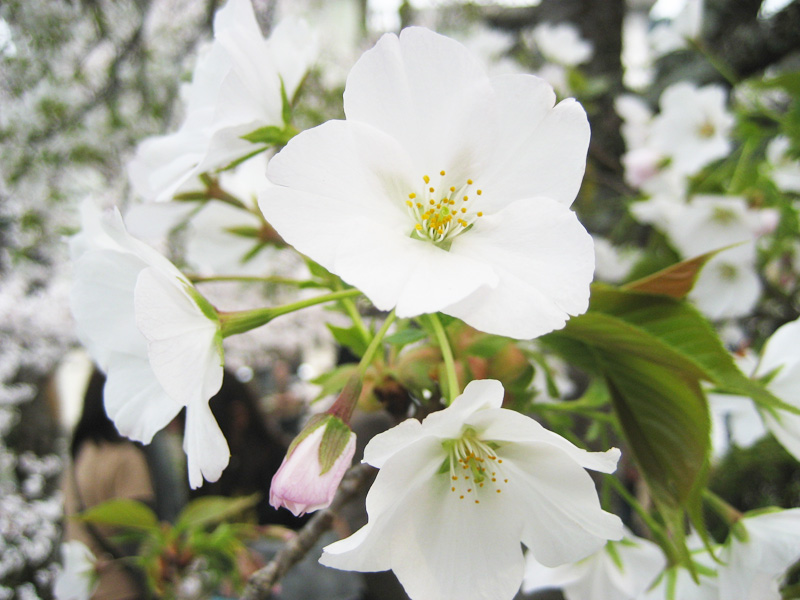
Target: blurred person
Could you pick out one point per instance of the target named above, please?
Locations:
(104, 466)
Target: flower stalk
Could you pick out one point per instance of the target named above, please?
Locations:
(233, 323)
(453, 389)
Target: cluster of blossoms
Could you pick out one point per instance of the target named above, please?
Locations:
(454, 208)
(29, 521)
(444, 199)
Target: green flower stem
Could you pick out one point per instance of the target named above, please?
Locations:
(745, 160)
(727, 513)
(447, 354)
(659, 533)
(233, 323)
(352, 312)
(372, 349)
(241, 278)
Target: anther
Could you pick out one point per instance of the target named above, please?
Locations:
(441, 173)
(426, 179)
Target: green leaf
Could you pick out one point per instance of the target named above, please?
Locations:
(213, 509)
(122, 512)
(486, 346)
(334, 381)
(405, 337)
(683, 329)
(349, 337)
(665, 419)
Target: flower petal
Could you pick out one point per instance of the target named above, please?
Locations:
(541, 147)
(135, 400)
(428, 92)
(501, 425)
(476, 399)
(181, 340)
(371, 548)
(207, 452)
(545, 260)
(568, 523)
(384, 445)
(102, 303)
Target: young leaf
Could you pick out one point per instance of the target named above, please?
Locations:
(675, 281)
(349, 337)
(665, 419)
(213, 509)
(122, 512)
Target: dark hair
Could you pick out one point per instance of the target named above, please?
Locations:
(94, 423)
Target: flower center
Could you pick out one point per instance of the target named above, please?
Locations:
(442, 213)
(706, 130)
(474, 467)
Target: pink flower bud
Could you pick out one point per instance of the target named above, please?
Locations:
(314, 465)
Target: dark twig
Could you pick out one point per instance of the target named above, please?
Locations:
(260, 585)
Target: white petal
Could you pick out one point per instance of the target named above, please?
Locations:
(567, 523)
(402, 476)
(386, 444)
(134, 399)
(101, 300)
(545, 260)
(478, 396)
(756, 566)
(181, 340)
(206, 449)
(503, 425)
(448, 547)
(429, 93)
(541, 149)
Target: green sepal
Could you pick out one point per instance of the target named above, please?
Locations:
(270, 135)
(334, 441)
(286, 105)
(313, 423)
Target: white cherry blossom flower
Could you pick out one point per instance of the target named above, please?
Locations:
(613, 263)
(77, 579)
(785, 169)
(444, 190)
(155, 337)
(754, 567)
(467, 479)
(562, 44)
(693, 127)
(618, 571)
(728, 285)
(235, 90)
(781, 354)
